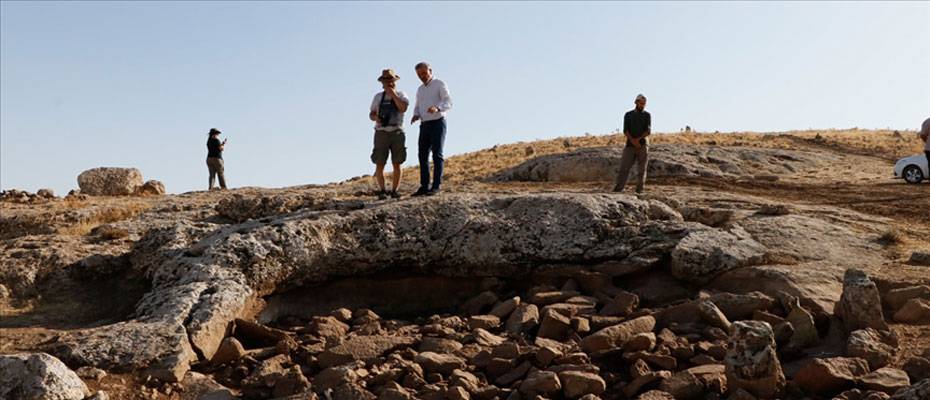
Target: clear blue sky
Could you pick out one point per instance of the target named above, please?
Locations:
(139, 84)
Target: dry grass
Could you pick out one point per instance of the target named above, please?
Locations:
(469, 167)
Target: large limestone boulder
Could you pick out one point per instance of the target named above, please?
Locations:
(205, 274)
(752, 362)
(110, 181)
(38, 376)
(602, 163)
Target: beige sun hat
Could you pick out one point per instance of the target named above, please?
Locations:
(388, 74)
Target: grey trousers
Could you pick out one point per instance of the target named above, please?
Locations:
(215, 165)
(632, 155)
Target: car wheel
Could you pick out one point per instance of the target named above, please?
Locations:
(913, 174)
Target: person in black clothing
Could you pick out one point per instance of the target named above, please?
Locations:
(215, 158)
(637, 125)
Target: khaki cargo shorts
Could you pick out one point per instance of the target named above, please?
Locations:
(389, 142)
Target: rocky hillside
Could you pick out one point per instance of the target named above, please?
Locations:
(755, 266)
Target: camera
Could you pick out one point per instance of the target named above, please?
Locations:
(386, 110)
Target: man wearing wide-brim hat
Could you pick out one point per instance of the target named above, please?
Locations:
(387, 111)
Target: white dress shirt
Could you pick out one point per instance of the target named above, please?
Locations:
(429, 94)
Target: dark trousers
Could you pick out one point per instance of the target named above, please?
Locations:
(632, 156)
(432, 137)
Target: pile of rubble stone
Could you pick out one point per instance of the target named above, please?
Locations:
(25, 197)
(582, 338)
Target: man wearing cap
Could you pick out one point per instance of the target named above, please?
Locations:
(433, 102)
(387, 111)
(215, 158)
(637, 124)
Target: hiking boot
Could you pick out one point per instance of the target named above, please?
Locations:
(395, 195)
(618, 189)
(420, 192)
(382, 195)
(434, 192)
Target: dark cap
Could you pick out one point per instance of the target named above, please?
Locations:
(214, 131)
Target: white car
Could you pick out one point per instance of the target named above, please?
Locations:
(913, 169)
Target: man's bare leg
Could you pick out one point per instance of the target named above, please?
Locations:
(379, 177)
(398, 174)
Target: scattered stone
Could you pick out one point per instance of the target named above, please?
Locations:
(441, 363)
(46, 193)
(803, 330)
(541, 382)
(915, 311)
(342, 314)
(752, 362)
(483, 322)
(617, 335)
(202, 387)
(230, 350)
(856, 394)
(920, 257)
(576, 384)
(917, 368)
(886, 379)
(895, 298)
(335, 376)
(328, 328)
(523, 318)
(622, 305)
(876, 347)
(827, 376)
(860, 305)
(640, 342)
(554, 325)
(683, 385)
(647, 379)
(363, 348)
(712, 316)
(485, 338)
(151, 188)
(38, 376)
(656, 395)
(88, 372)
(511, 374)
(917, 391)
(479, 303)
(661, 361)
(504, 308)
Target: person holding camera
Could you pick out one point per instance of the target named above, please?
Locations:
(637, 124)
(433, 101)
(387, 111)
(215, 158)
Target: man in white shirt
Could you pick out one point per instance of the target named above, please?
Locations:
(433, 102)
(387, 110)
